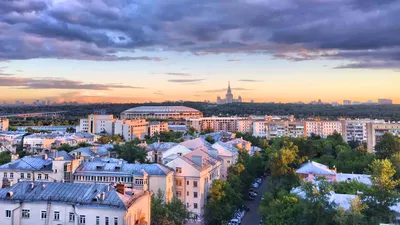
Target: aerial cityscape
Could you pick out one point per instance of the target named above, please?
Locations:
(182, 112)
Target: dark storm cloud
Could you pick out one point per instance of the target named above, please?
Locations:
(287, 29)
(48, 83)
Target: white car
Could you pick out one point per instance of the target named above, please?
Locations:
(255, 185)
(234, 222)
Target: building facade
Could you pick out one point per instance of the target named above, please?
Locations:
(323, 128)
(28, 203)
(356, 130)
(4, 124)
(96, 124)
(217, 124)
(228, 97)
(375, 131)
(131, 129)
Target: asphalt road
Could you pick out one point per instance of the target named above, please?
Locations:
(252, 217)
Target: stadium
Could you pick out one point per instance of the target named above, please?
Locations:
(161, 112)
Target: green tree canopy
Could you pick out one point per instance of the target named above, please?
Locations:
(388, 145)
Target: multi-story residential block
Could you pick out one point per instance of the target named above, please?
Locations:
(225, 124)
(155, 150)
(260, 128)
(154, 176)
(34, 168)
(323, 128)
(194, 174)
(285, 128)
(96, 124)
(157, 127)
(244, 125)
(356, 130)
(229, 156)
(131, 129)
(29, 203)
(4, 124)
(375, 131)
(37, 142)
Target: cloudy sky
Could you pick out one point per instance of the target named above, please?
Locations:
(141, 50)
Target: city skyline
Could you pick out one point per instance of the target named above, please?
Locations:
(270, 51)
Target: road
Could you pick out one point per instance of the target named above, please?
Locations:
(252, 217)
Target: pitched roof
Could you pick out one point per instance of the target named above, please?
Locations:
(30, 163)
(362, 178)
(123, 168)
(160, 146)
(207, 159)
(58, 154)
(225, 146)
(196, 143)
(70, 193)
(314, 167)
(88, 151)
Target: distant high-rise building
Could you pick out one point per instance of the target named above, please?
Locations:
(346, 102)
(228, 97)
(385, 101)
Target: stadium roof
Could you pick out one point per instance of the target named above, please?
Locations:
(161, 109)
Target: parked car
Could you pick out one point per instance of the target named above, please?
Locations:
(259, 180)
(261, 222)
(253, 190)
(253, 194)
(255, 185)
(251, 197)
(239, 215)
(234, 222)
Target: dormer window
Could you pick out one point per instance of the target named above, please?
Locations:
(117, 168)
(178, 169)
(99, 167)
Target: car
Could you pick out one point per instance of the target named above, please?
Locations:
(259, 180)
(261, 222)
(253, 194)
(253, 190)
(234, 222)
(251, 197)
(245, 208)
(255, 185)
(239, 214)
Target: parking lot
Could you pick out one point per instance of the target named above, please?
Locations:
(252, 217)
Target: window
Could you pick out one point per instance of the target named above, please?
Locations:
(5, 174)
(82, 219)
(195, 205)
(178, 182)
(178, 194)
(71, 217)
(56, 215)
(8, 213)
(138, 181)
(179, 169)
(97, 220)
(107, 222)
(46, 176)
(195, 194)
(194, 183)
(228, 161)
(11, 175)
(22, 175)
(187, 193)
(26, 213)
(39, 176)
(43, 214)
(187, 182)
(28, 176)
(115, 220)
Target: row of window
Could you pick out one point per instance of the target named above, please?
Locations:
(26, 214)
(28, 176)
(111, 179)
(179, 194)
(179, 183)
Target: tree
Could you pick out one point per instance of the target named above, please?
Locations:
(104, 140)
(382, 194)
(349, 187)
(66, 147)
(354, 216)
(221, 204)
(388, 145)
(71, 130)
(131, 153)
(5, 157)
(171, 213)
(210, 139)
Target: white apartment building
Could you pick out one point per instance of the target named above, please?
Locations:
(323, 128)
(131, 129)
(260, 128)
(357, 129)
(229, 156)
(154, 176)
(194, 174)
(36, 142)
(225, 124)
(157, 127)
(4, 124)
(244, 125)
(34, 168)
(375, 131)
(28, 203)
(96, 124)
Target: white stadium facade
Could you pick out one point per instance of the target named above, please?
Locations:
(161, 112)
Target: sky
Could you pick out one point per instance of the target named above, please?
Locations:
(141, 50)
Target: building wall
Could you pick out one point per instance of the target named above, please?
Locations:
(4, 124)
(259, 128)
(376, 131)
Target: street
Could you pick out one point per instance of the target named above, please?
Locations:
(252, 217)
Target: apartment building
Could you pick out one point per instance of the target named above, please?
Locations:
(131, 129)
(154, 176)
(356, 130)
(323, 128)
(244, 125)
(28, 203)
(37, 142)
(229, 156)
(194, 174)
(155, 150)
(4, 124)
(225, 124)
(33, 168)
(285, 128)
(157, 127)
(375, 131)
(96, 124)
(260, 128)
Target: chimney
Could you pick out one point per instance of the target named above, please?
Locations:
(44, 156)
(32, 185)
(103, 196)
(145, 180)
(120, 188)
(198, 159)
(43, 186)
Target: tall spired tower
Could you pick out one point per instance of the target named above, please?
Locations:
(229, 95)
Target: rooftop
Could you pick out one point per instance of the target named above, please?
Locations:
(90, 151)
(70, 193)
(314, 167)
(160, 146)
(207, 159)
(161, 109)
(30, 163)
(196, 143)
(122, 168)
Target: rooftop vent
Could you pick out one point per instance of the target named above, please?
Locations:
(43, 186)
(103, 196)
(9, 194)
(32, 185)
